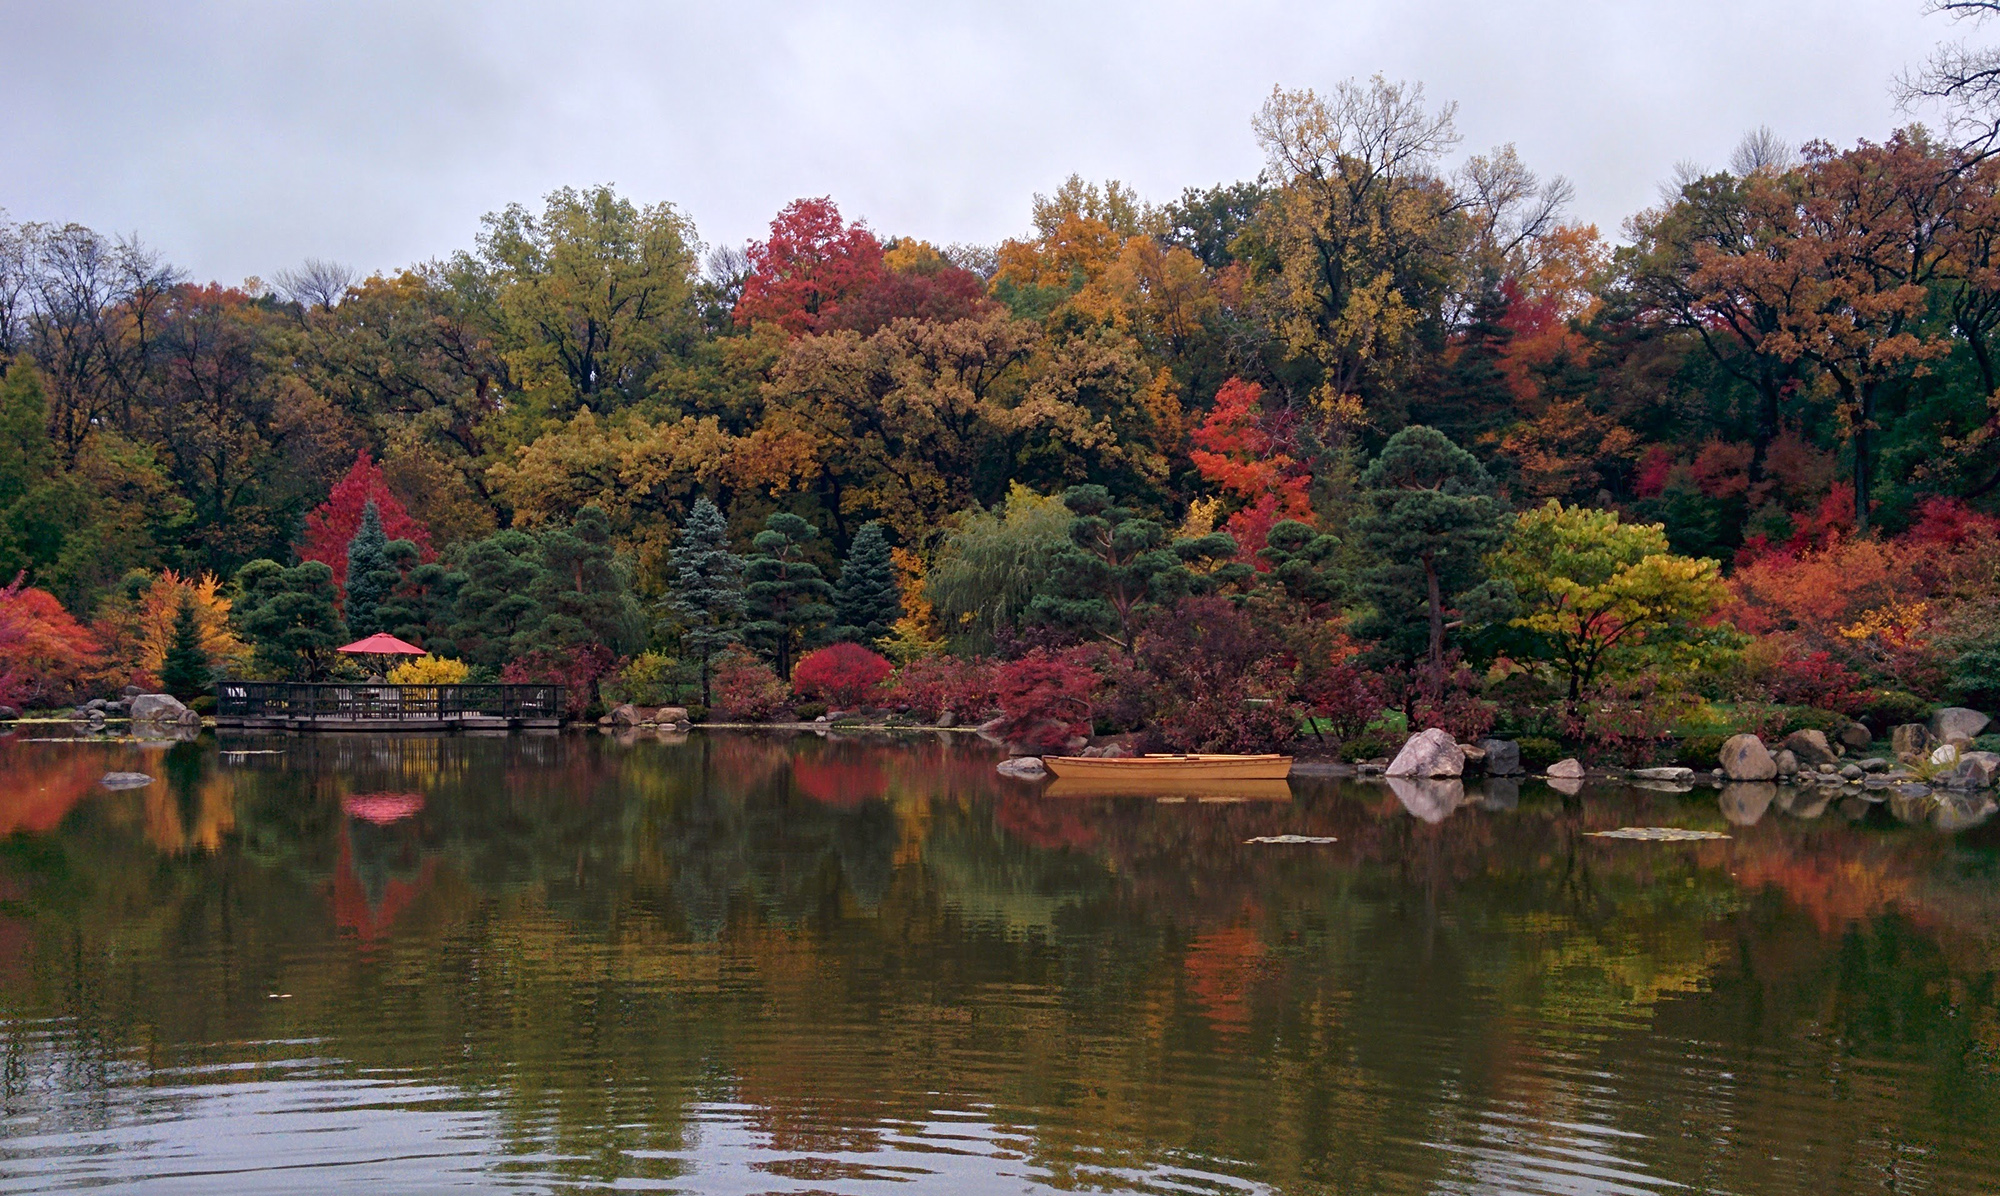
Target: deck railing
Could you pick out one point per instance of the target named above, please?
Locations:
(385, 703)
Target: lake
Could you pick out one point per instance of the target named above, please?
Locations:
(742, 963)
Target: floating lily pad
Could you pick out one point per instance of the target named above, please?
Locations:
(1657, 834)
(1293, 839)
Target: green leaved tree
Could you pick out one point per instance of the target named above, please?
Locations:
(705, 596)
(866, 601)
(788, 593)
(1600, 596)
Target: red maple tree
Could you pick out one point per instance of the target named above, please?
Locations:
(1249, 453)
(810, 265)
(330, 525)
(46, 656)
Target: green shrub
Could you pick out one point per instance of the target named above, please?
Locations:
(1699, 751)
(808, 711)
(697, 713)
(1372, 743)
(1806, 718)
(1538, 752)
(203, 704)
(1882, 709)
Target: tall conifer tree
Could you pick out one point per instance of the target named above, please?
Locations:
(370, 575)
(788, 594)
(706, 597)
(866, 601)
(185, 672)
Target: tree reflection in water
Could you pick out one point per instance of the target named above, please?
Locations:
(837, 962)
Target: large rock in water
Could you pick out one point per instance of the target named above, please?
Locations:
(125, 780)
(1567, 770)
(1431, 753)
(1023, 768)
(1744, 758)
(1503, 757)
(161, 708)
(626, 715)
(1810, 747)
(1977, 770)
(1956, 722)
(1910, 740)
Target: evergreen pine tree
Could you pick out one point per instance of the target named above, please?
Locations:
(1430, 521)
(585, 596)
(788, 594)
(290, 616)
(866, 601)
(370, 575)
(186, 671)
(706, 596)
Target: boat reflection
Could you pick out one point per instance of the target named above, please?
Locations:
(1191, 789)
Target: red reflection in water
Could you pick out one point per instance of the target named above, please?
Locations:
(352, 908)
(381, 808)
(842, 784)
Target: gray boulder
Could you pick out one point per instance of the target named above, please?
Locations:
(1023, 768)
(1873, 764)
(1856, 736)
(8, 714)
(1431, 753)
(1744, 758)
(1567, 770)
(1810, 747)
(1910, 740)
(626, 715)
(1957, 722)
(1788, 764)
(1475, 757)
(1977, 770)
(165, 708)
(1745, 802)
(1503, 757)
(1664, 774)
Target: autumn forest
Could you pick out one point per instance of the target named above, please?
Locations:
(1380, 438)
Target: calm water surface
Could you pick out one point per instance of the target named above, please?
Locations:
(745, 964)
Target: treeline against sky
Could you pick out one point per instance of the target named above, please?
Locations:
(1781, 360)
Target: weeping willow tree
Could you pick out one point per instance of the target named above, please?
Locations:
(986, 572)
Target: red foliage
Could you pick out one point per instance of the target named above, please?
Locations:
(942, 297)
(1949, 523)
(333, 523)
(1044, 700)
(1655, 467)
(1346, 695)
(47, 658)
(840, 675)
(810, 265)
(745, 688)
(1218, 681)
(576, 669)
(935, 685)
(1818, 680)
(1248, 452)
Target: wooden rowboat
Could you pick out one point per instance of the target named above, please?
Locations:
(1165, 768)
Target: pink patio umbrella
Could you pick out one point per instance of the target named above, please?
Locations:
(381, 645)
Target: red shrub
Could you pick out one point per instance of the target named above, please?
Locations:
(1818, 680)
(932, 686)
(47, 658)
(1045, 701)
(840, 675)
(1217, 680)
(576, 669)
(746, 688)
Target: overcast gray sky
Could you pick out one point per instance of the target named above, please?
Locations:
(241, 138)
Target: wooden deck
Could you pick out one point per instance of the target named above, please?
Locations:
(289, 706)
